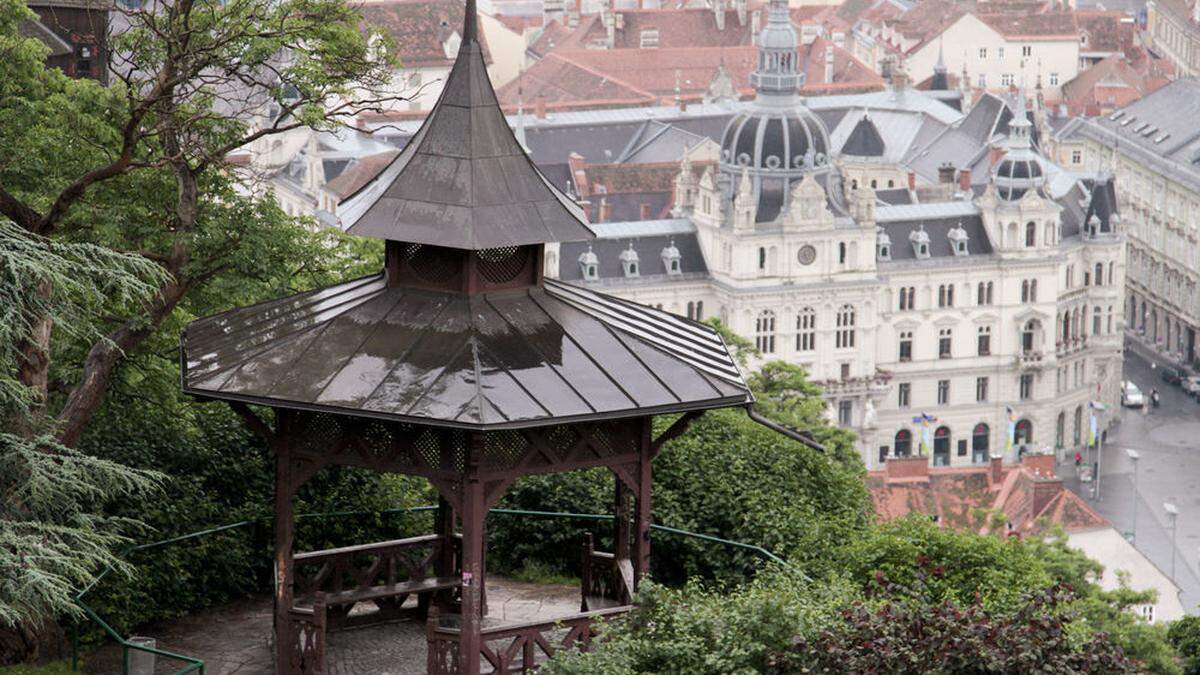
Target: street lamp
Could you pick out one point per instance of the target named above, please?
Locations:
(1134, 457)
(1172, 514)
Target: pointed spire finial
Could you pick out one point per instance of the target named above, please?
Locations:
(470, 23)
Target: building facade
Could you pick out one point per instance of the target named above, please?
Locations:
(1155, 150)
(1174, 28)
(937, 308)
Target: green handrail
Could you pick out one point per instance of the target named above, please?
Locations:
(197, 665)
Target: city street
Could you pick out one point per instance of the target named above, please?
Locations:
(1168, 441)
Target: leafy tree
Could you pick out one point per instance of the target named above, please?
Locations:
(119, 219)
(1184, 635)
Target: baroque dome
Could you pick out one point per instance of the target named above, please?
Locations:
(775, 140)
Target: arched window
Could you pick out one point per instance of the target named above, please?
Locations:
(806, 330)
(903, 443)
(762, 258)
(844, 337)
(1060, 429)
(1023, 434)
(1030, 234)
(1098, 276)
(1024, 290)
(979, 443)
(941, 446)
(1077, 427)
(691, 310)
(1110, 273)
(699, 310)
(1096, 320)
(842, 252)
(989, 292)
(764, 332)
(981, 294)
(1033, 290)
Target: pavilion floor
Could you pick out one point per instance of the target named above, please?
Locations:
(235, 638)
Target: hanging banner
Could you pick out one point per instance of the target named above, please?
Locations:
(925, 420)
(1012, 430)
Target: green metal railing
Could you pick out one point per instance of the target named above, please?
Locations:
(196, 665)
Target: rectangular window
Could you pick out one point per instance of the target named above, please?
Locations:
(962, 447)
(943, 392)
(906, 338)
(1026, 50)
(1077, 157)
(1006, 79)
(1026, 392)
(944, 336)
(845, 412)
(985, 340)
(845, 371)
(983, 52)
(946, 295)
(1053, 79)
(1000, 53)
(981, 389)
(904, 394)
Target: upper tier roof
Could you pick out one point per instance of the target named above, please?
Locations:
(487, 361)
(464, 181)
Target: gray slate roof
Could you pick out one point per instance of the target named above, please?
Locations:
(464, 181)
(938, 230)
(496, 360)
(648, 248)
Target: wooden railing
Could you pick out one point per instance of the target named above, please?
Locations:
(383, 573)
(307, 628)
(605, 580)
(515, 648)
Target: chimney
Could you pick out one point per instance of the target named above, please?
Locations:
(946, 173)
(912, 180)
(719, 13)
(539, 107)
(995, 154)
(1045, 489)
(906, 468)
(964, 180)
(828, 64)
(996, 470)
(605, 211)
(574, 12)
(644, 212)
(1040, 464)
(579, 174)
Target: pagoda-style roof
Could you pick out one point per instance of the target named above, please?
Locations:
(543, 355)
(463, 181)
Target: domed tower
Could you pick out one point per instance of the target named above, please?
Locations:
(1022, 169)
(777, 140)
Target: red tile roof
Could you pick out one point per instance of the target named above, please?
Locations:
(418, 28)
(1047, 26)
(1114, 82)
(597, 78)
(1029, 497)
(1106, 31)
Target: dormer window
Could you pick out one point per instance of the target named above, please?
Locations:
(919, 239)
(883, 245)
(958, 240)
(671, 259)
(589, 265)
(629, 261)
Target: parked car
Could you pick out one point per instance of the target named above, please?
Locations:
(1131, 396)
(1172, 375)
(1191, 385)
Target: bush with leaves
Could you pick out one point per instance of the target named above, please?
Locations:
(1184, 635)
(727, 477)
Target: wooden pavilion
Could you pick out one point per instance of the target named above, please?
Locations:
(461, 363)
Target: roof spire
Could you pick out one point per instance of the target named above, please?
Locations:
(470, 23)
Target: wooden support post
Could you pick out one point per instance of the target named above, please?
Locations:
(473, 512)
(621, 543)
(443, 526)
(285, 488)
(641, 542)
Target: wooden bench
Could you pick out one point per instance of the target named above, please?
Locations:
(385, 574)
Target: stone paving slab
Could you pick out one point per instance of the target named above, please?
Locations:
(235, 639)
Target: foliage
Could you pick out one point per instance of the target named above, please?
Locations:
(703, 629)
(727, 476)
(781, 623)
(915, 632)
(1184, 635)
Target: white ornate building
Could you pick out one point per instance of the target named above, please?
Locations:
(912, 258)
